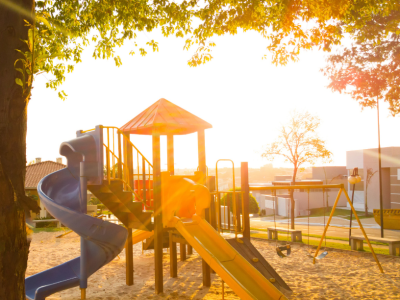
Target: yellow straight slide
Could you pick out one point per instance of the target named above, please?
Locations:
(235, 270)
(140, 235)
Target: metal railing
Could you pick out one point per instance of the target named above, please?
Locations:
(238, 216)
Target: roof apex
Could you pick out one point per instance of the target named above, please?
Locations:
(167, 117)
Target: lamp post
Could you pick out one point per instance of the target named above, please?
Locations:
(353, 179)
(380, 168)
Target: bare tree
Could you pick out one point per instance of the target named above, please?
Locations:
(370, 174)
(298, 143)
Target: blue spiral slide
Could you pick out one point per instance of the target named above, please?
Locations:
(63, 193)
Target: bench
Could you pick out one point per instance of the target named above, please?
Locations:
(294, 234)
(46, 221)
(356, 242)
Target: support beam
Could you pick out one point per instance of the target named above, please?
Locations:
(189, 250)
(201, 143)
(128, 159)
(182, 250)
(170, 154)
(158, 226)
(173, 257)
(129, 258)
(244, 168)
(213, 213)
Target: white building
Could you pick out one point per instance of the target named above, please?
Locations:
(367, 159)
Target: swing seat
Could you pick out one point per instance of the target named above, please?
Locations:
(321, 256)
(286, 248)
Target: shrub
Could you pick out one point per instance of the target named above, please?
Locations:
(253, 204)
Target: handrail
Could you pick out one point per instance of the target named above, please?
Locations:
(296, 187)
(124, 181)
(235, 221)
(84, 131)
(120, 131)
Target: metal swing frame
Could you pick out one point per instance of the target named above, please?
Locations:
(323, 186)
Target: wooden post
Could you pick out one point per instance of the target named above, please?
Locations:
(128, 158)
(189, 250)
(173, 257)
(182, 249)
(158, 226)
(245, 189)
(201, 141)
(129, 258)
(119, 156)
(170, 154)
(213, 214)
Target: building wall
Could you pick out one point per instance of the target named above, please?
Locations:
(395, 188)
(327, 173)
(368, 159)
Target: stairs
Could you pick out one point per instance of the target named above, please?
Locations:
(121, 204)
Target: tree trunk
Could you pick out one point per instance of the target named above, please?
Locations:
(14, 246)
(292, 204)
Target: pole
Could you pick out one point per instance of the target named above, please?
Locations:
(170, 153)
(84, 243)
(201, 144)
(380, 169)
(351, 213)
(244, 169)
(158, 226)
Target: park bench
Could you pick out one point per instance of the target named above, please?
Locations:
(356, 242)
(294, 234)
(46, 221)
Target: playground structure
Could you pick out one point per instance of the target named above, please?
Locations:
(150, 204)
(157, 207)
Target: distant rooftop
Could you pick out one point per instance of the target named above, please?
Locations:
(35, 172)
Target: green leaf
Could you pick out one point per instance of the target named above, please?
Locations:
(19, 82)
(44, 21)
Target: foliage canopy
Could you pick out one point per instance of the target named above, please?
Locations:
(64, 28)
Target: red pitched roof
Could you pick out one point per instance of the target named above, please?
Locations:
(168, 118)
(35, 172)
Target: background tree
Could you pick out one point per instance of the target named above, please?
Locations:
(370, 174)
(299, 144)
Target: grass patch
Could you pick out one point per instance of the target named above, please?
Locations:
(49, 229)
(344, 213)
(337, 238)
(328, 244)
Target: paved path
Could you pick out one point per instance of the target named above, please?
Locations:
(338, 227)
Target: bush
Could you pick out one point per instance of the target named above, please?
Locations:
(94, 201)
(253, 204)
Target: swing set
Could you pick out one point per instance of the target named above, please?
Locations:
(315, 256)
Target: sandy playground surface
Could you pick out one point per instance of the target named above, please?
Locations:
(341, 275)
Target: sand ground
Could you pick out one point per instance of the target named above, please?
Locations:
(341, 275)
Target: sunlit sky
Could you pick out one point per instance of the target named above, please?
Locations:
(245, 98)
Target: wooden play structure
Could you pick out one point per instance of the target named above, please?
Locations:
(178, 209)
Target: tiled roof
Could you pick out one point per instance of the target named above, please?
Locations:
(167, 117)
(35, 172)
